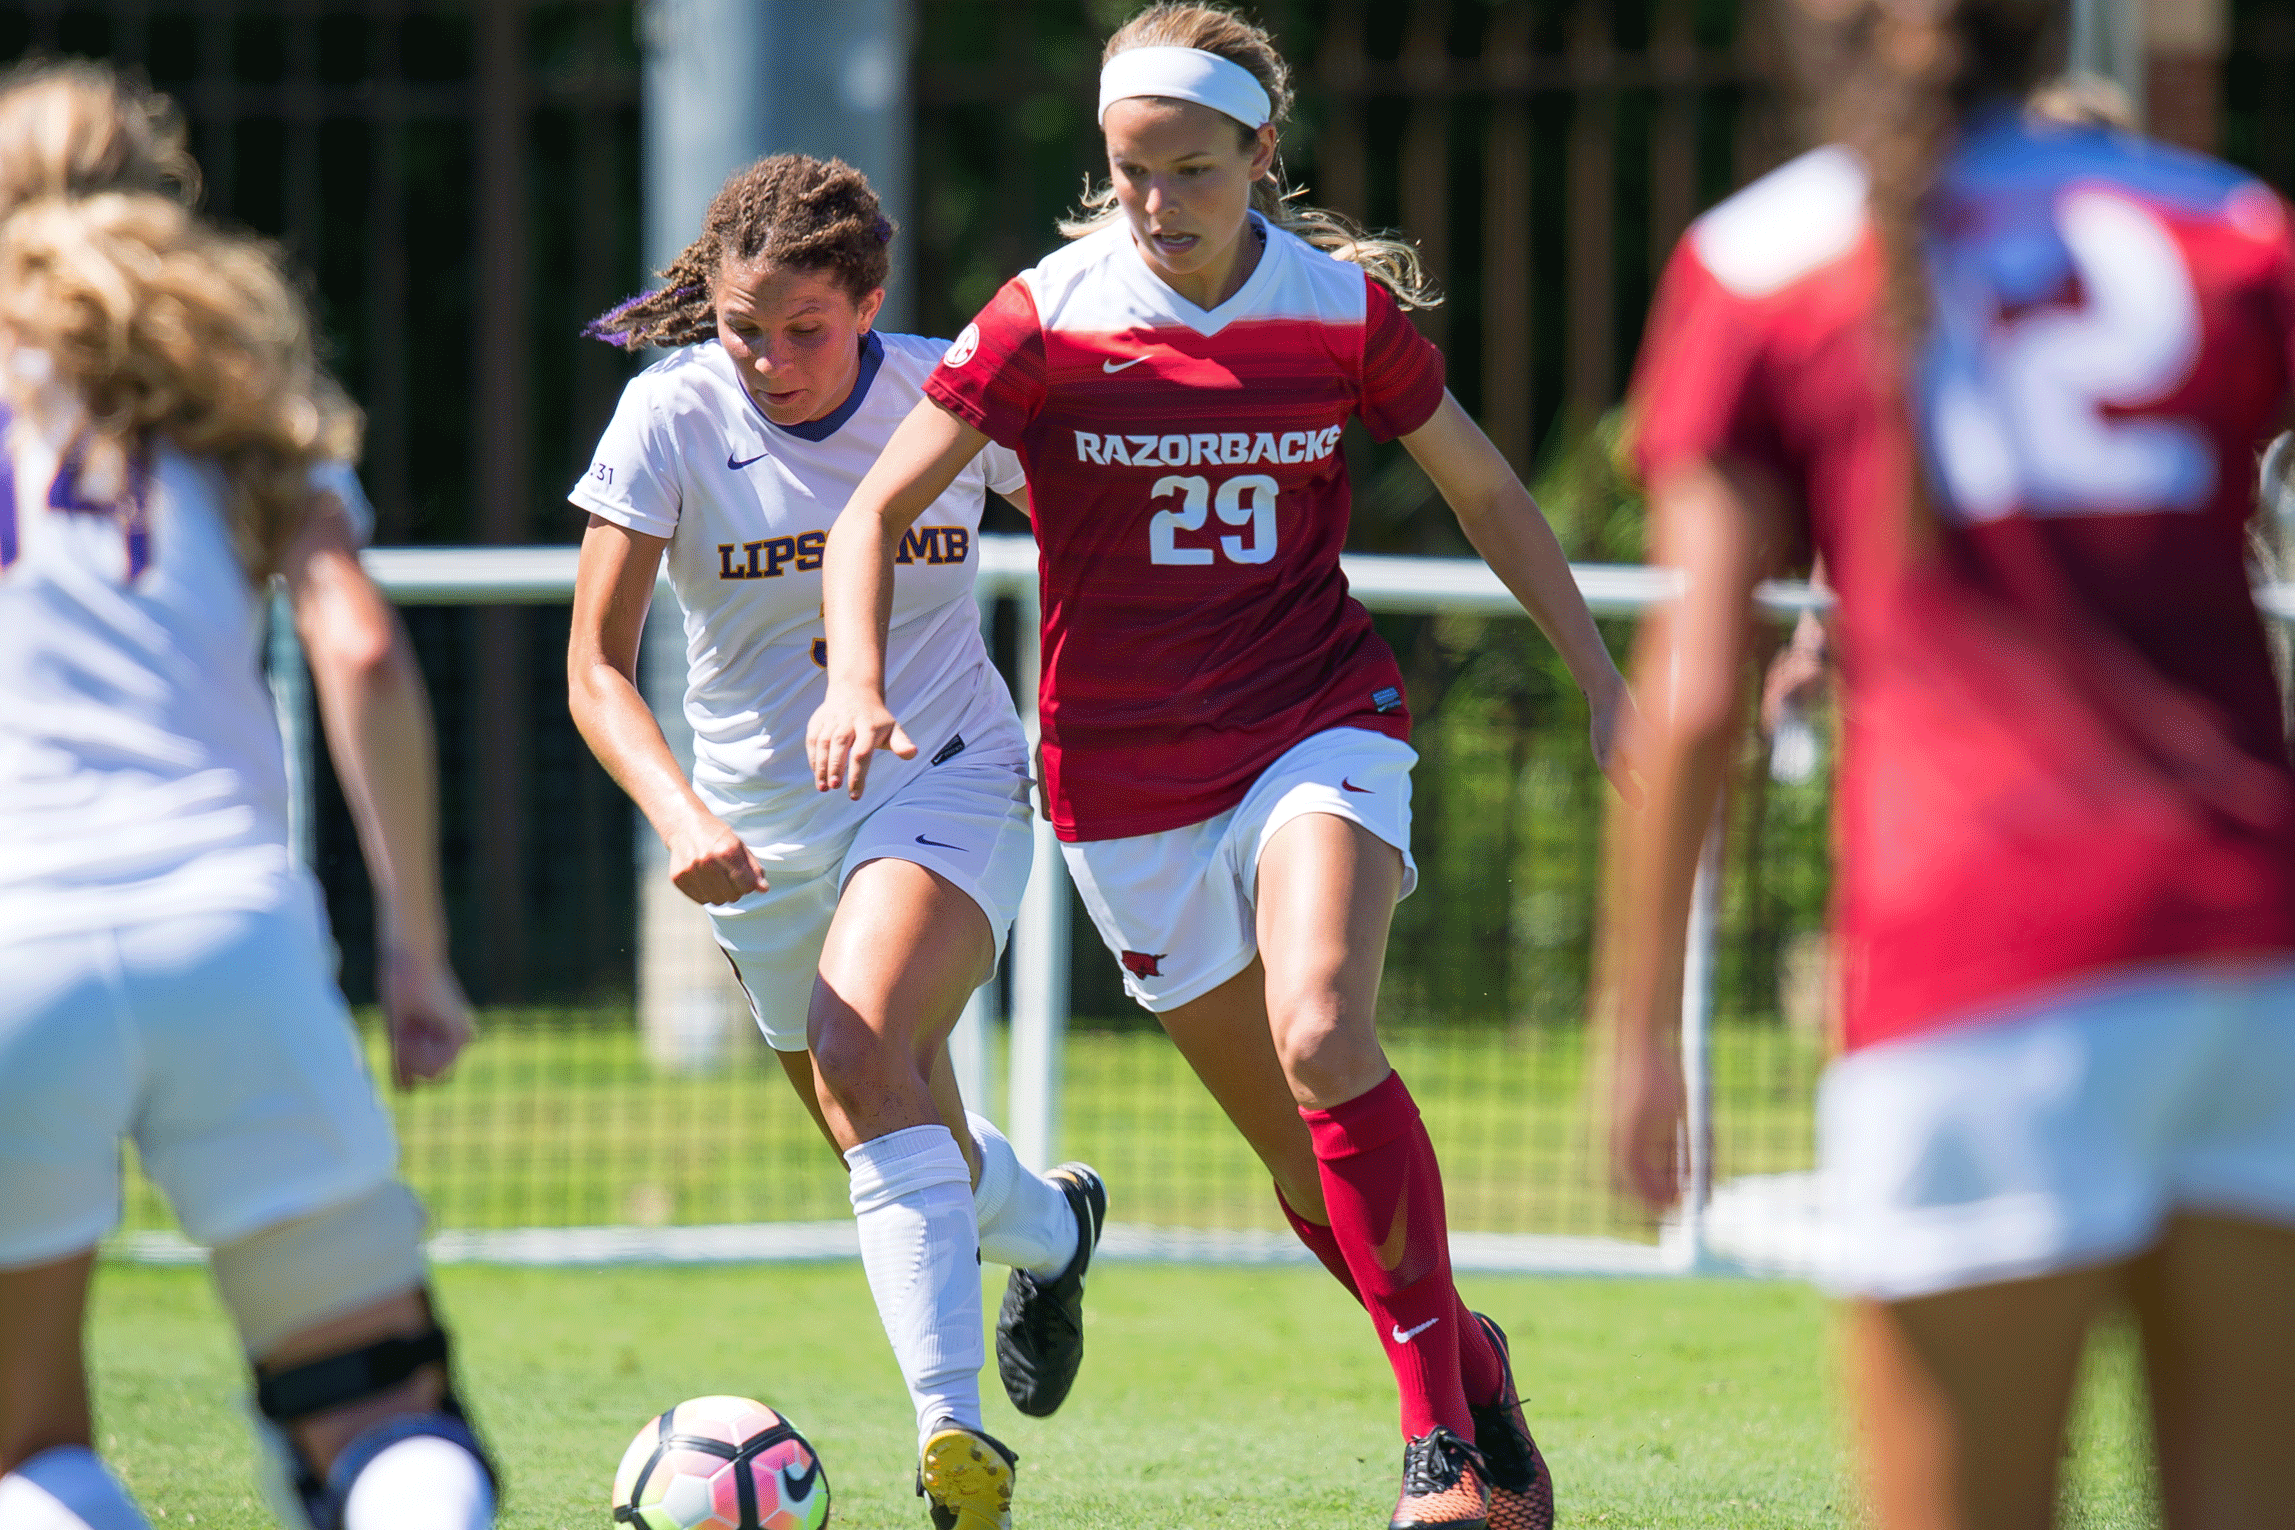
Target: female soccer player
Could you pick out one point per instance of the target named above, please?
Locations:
(858, 930)
(1223, 732)
(2008, 377)
(164, 966)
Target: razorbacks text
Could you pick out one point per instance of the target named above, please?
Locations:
(1235, 447)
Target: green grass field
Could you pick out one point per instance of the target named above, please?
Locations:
(559, 1120)
(1232, 1398)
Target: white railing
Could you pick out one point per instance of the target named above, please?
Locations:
(1039, 948)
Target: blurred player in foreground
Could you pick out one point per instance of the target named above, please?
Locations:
(164, 970)
(2008, 376)
(858, 930)
(1224, 735)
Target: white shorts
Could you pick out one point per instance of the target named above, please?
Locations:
(968, 819)
(218, 1041)
(1178, 908)
(2062, 1137)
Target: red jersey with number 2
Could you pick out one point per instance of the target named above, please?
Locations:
(2063, 759)
(1190, 504)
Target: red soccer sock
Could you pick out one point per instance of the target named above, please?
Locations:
(1384, 1193)
(1321, 1242)
(1479, 1371)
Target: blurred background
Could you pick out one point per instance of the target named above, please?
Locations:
(465, 183)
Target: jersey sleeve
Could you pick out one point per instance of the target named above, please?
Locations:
(632, 480)
(993, 375)
(342, 481)
(1001, 466)
(1695, 394)
(1402, 371)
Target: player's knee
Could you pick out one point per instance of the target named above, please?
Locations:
(1322, 1055)
(410, 1460)
(848, 1055)
(391, 1395)
(293, 1276)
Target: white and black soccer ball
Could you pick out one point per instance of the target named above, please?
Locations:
(721, 1463)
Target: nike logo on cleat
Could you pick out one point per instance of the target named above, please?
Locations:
(1346, 785)
(1118, 366)
(745, 461)
(936, 844)
(1402, 1337)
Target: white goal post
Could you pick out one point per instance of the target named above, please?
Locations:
(1746, 1225)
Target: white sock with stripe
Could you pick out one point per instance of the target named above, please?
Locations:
(1025, 1219)
(920, 1244)
(66, 1488)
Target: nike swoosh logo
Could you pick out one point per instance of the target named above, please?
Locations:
(1346, 785)
(1118, 366)
(1390, 1252)
(1404, 1337)
(744, 462)
(936, 844)
(795, 1487)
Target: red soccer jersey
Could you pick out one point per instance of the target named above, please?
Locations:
(1190, 505)
(2062, 750)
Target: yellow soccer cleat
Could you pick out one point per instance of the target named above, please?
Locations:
(966, 1478)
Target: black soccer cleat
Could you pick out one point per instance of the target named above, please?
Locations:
(1040, 1329)
(1521, 1489)
(1445, 1485)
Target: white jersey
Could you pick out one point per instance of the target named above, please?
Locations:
(746, 506)
(140, 768)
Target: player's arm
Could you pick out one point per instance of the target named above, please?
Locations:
(1723, 526)
(916, 467)
(613, 588)
(1506, 527)
(377, 721)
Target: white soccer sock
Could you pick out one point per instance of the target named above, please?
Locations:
(66, 1488)
(920, 1243)
(421, 1483)
(1025, 1219)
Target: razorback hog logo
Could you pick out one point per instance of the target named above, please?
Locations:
(1141, 965)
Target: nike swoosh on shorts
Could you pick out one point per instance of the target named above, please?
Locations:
(936, 844)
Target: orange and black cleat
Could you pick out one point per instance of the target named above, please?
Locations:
(1521, 1490)
(1445, 1485)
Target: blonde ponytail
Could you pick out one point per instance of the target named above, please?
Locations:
(159, 326)
(1391, 261)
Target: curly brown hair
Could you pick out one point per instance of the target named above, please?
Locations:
(788, 209)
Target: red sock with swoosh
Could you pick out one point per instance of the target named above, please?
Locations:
(1383, 1190)
(1478, 1368)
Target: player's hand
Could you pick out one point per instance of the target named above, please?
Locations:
(847, 730)
(1796, 676)
(426, 1014)
(1616, 725)
(709, 863)
(1648, 1112)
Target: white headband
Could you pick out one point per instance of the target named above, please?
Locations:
(1185, 74)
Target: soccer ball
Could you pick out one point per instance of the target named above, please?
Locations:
(721, 1463)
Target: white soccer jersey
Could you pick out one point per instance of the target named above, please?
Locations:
(746, 505)
(140, 768)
